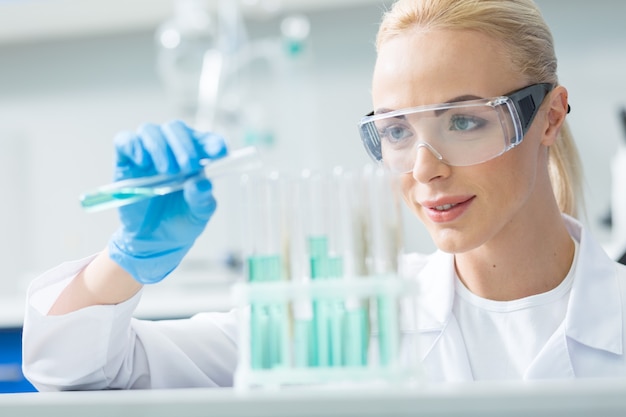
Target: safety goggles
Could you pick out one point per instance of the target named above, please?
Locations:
(459, 134)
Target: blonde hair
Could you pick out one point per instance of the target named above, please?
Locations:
(519, 25)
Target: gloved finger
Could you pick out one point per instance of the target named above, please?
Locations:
(157, 146)
(182, 144)
(130, 156)
(200, 199)
(212, 145)
(128, 150)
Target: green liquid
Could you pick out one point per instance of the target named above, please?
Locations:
(105, 200)
(264, 268)
(269, 323)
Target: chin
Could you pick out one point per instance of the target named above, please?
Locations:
(451, 241)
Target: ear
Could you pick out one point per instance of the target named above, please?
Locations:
(555, 114)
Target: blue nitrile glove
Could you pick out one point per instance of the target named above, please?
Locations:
(157, 233)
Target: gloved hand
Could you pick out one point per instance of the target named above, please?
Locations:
(156, 233)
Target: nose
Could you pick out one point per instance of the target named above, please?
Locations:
(429, 164)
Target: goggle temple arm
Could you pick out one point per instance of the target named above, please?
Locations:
(371, 139)
(528, 100)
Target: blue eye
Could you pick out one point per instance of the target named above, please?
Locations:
(395, 133)
(459, 122)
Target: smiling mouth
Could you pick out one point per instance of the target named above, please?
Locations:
(445, 207)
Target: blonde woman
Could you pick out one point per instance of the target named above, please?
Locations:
(469, 112)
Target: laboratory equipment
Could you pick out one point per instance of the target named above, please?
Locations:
(182, 42)
(295, 30)
(265, 228)
(384, 238)
(361, 358)
(326, 308)
(333, 236)
(121, 193)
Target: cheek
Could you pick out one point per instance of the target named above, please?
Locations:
(508, 180)
(407, 184)
(407, 188)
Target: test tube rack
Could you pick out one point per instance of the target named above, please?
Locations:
(323, 301)
(353, 333)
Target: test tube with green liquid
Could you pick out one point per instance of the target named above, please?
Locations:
(334, 245)
(264, 235)
(337, 316)
(304, 348)
(133, 190)
(347, 233)
(315, 197)
(385, 239)
(318, 258)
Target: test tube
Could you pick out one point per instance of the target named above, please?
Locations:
(304, 346)
(342, 224)
(348, 242)
(263, 226)
(383, 221)
(266, 236)
(384, 238)
(133, 190)
(313, 190)
(334, 241)
(338, 219)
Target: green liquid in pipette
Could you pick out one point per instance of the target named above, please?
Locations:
(103, 200)
(133, 190)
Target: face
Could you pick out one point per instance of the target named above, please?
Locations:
(462, 207)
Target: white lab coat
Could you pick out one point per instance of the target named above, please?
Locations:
(104, 347)
(589, 342)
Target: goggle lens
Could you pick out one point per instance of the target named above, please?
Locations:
(459, 134)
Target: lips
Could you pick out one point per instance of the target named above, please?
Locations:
(447, 209)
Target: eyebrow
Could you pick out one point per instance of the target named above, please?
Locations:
(465, 97)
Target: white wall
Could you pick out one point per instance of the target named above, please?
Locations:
(62, 102)
(590, 40)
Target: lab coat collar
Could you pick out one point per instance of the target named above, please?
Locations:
(436, 291)
(594, 314)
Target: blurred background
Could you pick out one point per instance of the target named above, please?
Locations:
(294, 80)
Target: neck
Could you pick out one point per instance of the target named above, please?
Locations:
(530, 257)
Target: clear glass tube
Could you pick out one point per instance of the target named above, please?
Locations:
(383, 220)
(121, 193)
(266, 232)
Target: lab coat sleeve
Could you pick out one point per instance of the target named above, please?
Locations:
(104, 347)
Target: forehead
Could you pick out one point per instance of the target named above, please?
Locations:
(422, 67)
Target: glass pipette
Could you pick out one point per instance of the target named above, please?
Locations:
(124, 192)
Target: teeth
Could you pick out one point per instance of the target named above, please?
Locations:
(444, 207)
